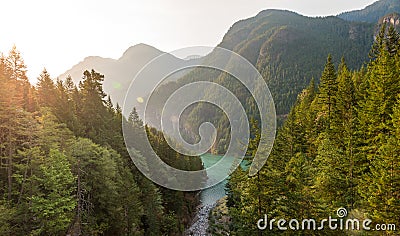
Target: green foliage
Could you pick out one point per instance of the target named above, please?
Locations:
(328, 89)
(339, 147)
(65, 168)
(53, 206)
(46, 90)
(7, 214)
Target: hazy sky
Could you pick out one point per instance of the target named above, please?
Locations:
(59, 34)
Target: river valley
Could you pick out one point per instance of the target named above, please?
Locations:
(208, 198)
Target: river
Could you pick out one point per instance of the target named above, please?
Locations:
(208, 198)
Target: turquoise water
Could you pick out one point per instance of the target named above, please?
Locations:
(211, 195)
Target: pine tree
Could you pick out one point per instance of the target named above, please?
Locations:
(67, 104)
(16, 69)
(328, 90)
(135, 119)
(392, 40)
(345, 133)
(379, 43)
(53, 206)
(15, 65)
(92, 113)
(46, 90)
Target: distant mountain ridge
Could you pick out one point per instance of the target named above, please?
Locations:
(373, 12)
(120, 72)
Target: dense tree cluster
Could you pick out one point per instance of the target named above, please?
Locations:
(339, 147)
(64, 166)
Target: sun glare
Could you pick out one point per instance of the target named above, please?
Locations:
(139, 100)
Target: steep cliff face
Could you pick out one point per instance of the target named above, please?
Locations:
(392, 19)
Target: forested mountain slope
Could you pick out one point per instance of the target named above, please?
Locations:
(287, 49)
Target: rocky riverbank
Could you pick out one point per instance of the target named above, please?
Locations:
(219, 219)
(200, 221)
(209, 199)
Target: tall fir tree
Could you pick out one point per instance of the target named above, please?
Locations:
(328, 90)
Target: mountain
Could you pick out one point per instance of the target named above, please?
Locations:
(373, 12)
(288, 49)
(120, 72)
